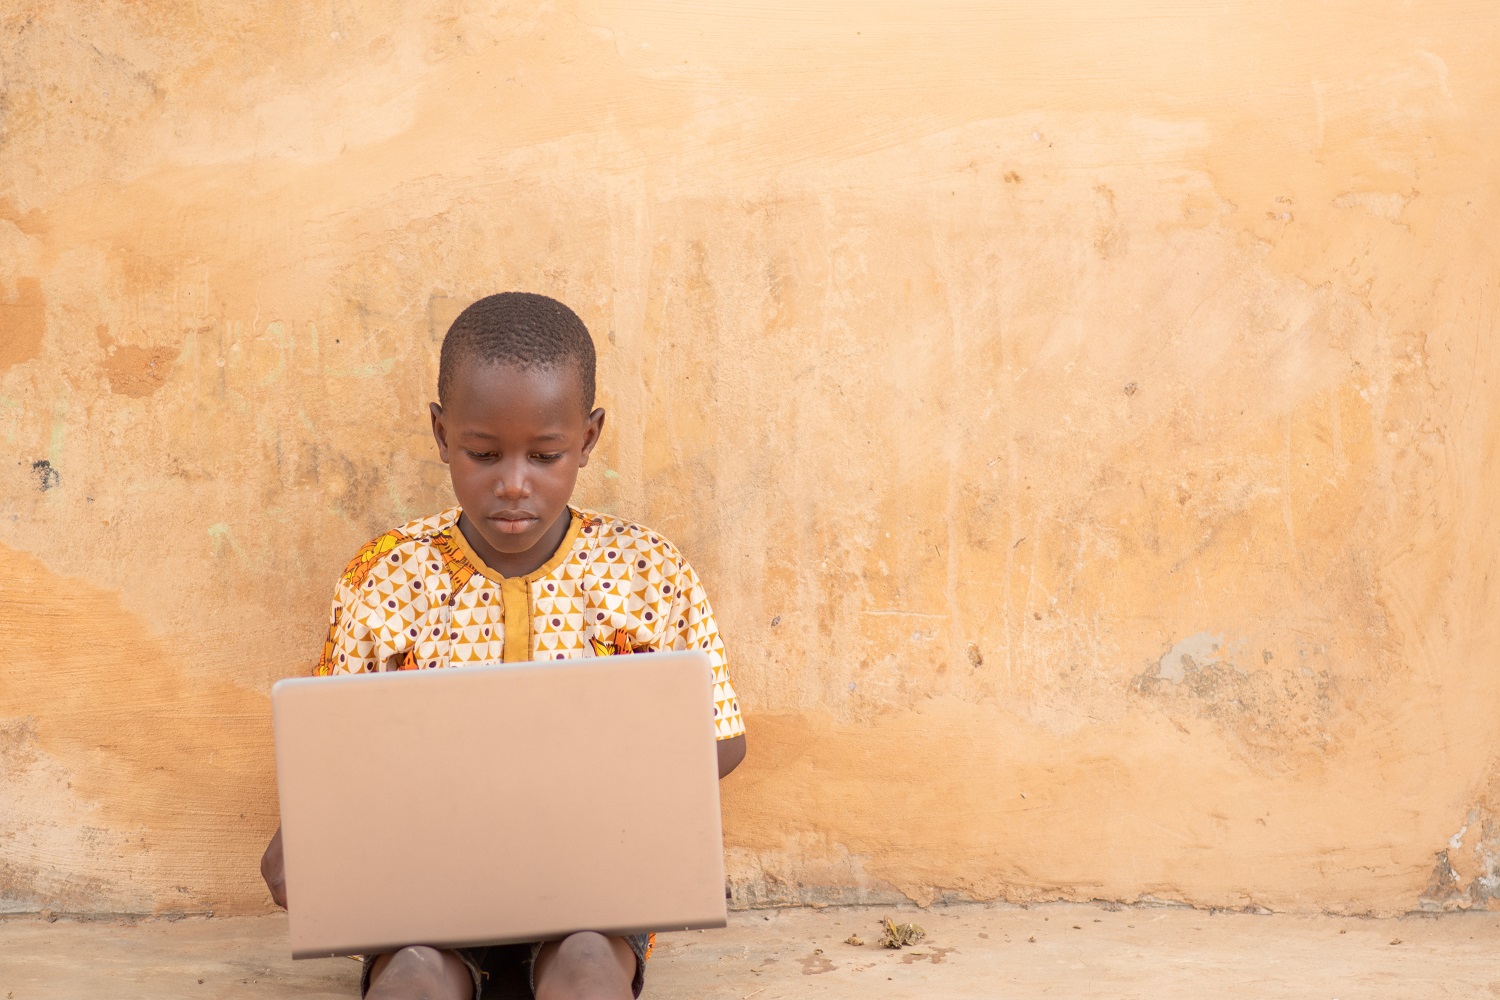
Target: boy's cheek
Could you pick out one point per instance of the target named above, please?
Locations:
(471, 484)
(464, 480)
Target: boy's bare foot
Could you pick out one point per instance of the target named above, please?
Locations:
(420, 973)
(584, 966)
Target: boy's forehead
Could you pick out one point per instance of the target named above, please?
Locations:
(488, 386)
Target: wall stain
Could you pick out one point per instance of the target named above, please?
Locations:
(47, 477)
(30, 223)
(133, 370)
(176, 768)
(23, 323)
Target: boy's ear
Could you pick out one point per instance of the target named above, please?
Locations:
(590, 436)
(439, 432)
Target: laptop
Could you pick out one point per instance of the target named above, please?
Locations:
(496, 804)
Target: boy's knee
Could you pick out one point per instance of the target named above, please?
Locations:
(585, 965)
(420, 973)
(585, 945)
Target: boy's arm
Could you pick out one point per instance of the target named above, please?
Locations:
(273, 870)
(351, 649)
(731, 752)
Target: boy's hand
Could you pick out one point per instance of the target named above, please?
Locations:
(273, 870)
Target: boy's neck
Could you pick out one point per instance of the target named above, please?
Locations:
(517, 563)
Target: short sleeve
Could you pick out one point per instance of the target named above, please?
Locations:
(374, 608)
(690, 625)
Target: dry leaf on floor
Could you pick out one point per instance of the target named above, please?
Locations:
(900, 935)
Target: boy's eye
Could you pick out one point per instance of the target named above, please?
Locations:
(481, 456)
(548, 457)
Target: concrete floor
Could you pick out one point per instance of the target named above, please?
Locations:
(970, 951)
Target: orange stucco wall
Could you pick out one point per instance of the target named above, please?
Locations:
(1083, 415)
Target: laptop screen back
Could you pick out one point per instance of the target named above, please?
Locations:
(486, 805)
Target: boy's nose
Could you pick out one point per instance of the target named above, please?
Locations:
(512, 484)
(512, 489)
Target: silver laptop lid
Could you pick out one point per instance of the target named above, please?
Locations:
(492, 804)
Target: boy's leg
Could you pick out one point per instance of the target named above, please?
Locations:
(585, 966)
(420, 973)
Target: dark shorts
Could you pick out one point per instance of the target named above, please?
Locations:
(503, 971)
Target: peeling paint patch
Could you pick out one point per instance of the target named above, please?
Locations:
(1196, 650)
(1267, 710)
(1466, 873)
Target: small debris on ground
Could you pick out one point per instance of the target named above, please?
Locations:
(900, 935)
(855, 940)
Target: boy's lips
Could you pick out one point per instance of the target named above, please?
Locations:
(512, 522)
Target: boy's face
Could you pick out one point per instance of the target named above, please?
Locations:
(514, 440)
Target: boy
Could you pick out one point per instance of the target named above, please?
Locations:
(515, 573)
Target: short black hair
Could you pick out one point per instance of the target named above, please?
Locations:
(522, 329)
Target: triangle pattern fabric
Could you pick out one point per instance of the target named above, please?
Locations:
(417, 597)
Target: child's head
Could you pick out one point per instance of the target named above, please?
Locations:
(515, 421)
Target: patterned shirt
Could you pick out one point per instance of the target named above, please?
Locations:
(418, 598)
